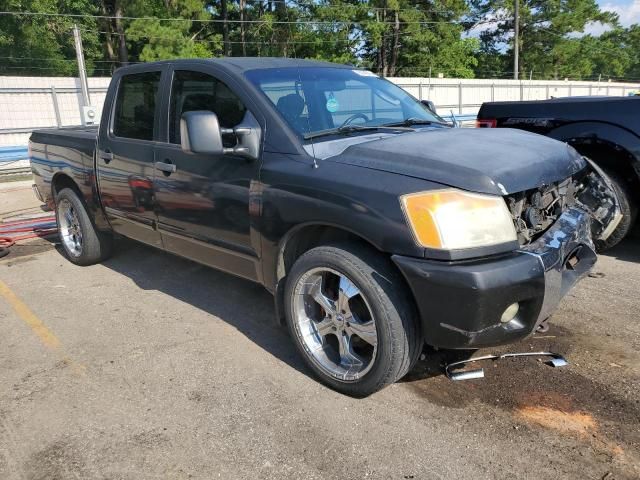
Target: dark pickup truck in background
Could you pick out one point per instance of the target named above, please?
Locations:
(605, 129)
(377, 227)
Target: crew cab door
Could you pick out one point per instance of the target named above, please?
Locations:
(125, 163)
(203, 199)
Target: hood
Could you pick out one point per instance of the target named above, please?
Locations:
(484, 160)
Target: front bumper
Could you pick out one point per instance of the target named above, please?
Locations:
(461, 303)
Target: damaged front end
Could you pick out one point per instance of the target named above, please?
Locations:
(561, 225)
(535, 211)
(496, 300)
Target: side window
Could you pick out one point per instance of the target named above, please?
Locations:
(136, 105)
(198, 91)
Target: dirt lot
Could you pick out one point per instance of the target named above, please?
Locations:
(150, 366)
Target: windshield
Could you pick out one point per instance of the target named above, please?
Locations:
(318, 99)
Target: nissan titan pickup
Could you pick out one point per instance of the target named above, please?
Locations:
(376, 226)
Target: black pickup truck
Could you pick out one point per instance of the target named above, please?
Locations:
(376, 226)
(605, 129)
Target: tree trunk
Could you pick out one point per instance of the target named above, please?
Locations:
(393, 64)
(225, 28)
(243, 4)
(123, 55)
(282, 28)
(109, 49)
(381, 50)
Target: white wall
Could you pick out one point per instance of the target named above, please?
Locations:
(27, 102)
(449, 93)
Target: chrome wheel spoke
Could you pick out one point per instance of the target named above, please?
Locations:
(69, 217)
(70, 229)
(335, 324)
(348, 358)
(347, 290)
(366, 331)
(320, 298)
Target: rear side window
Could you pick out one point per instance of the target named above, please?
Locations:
(136, 105)
(192, 91)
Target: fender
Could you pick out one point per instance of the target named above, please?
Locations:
(590, 133)
(273, 260)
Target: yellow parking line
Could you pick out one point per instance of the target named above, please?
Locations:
(46, 336)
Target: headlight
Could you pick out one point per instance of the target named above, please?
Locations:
(452, 219)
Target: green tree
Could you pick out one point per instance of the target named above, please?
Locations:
(43, 45)
(407, 38)
(166, 39)
(550, 40)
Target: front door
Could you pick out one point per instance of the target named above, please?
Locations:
(125, 162)
(203, 200)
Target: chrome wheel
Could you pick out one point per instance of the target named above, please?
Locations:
(334, 324)
(70, 230)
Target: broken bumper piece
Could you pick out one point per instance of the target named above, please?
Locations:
(554, 360)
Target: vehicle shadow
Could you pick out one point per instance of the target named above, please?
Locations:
(628, 250)
(245, 305)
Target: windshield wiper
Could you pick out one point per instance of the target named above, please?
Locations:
(345, 129)
(409, 122)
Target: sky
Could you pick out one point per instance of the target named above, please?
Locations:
(628, 10)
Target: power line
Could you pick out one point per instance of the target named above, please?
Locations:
(216, 20)
(161, 37)
(368, 7)
(58, 59)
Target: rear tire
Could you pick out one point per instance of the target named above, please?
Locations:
(82, 242)
(628, 208)
(376, 294)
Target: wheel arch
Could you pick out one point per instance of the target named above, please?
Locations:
(303, 238)
(60, 181)
(610, 146)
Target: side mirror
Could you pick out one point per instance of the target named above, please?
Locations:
(200, 133)
(429, 104)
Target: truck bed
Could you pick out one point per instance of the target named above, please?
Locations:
(79, 138)
(70, 150)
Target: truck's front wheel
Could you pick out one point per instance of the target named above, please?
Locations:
(349, 315)
(82, 243)
(628, 208)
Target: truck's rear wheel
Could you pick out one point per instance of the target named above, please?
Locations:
(82, 243)
(351, 320)
(627, 206)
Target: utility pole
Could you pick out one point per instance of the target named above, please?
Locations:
(88, 116)
(516, 40)
(84, 84)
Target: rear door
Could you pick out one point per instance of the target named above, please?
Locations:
(125, 163)
(203, 200)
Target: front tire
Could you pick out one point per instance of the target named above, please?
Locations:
(628, 209)
(349, 314)
(82, 243)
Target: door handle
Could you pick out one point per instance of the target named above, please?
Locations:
(106, 156)
(167, 168)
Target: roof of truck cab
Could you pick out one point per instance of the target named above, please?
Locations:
(243, 64)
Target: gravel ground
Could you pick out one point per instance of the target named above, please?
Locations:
(153, 367)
